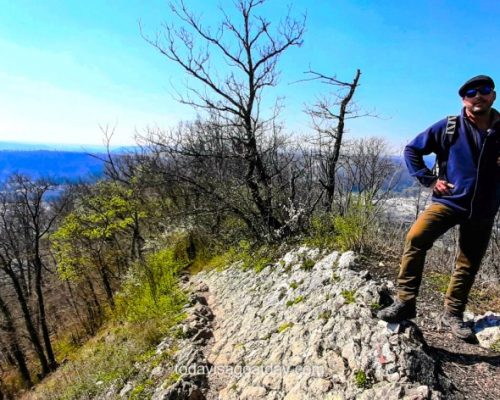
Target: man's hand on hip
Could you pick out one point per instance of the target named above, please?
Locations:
(442, 187)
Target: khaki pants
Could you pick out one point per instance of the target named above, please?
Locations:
(433, 222)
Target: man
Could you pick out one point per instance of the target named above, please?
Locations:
(464, 194)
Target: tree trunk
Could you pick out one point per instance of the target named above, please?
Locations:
(107, 286)
(33, 334)
(73, 304)
(97, 306)
(41, 310)
(333, 160)
(15, 347)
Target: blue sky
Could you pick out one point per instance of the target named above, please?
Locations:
(68, 67)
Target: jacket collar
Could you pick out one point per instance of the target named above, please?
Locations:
(495, 118)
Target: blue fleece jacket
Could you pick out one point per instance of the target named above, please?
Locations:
(472, 165)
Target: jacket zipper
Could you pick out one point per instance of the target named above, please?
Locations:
(477, 173)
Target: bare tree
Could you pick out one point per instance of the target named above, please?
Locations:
(12, 337)
(366, 173)
(26, 217)
(239, 134)
(329, 115)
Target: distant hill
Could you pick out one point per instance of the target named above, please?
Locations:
(73, 163)
(62, 166)
(77, 148)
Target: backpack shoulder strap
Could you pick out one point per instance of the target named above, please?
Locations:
(447, 137)
(449, 133)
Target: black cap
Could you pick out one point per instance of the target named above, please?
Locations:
(475, 82)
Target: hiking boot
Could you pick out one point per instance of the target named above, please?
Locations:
(398, 311)
(458, 327)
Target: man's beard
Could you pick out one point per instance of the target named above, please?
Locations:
(479, 110)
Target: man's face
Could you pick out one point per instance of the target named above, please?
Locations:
(478, 100)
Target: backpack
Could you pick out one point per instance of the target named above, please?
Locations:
(439, 168)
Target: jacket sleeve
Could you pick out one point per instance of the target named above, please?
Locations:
(427, 142)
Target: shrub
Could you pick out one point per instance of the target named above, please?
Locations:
(151, 288)
(357, 228)
(147, 307)
(321, 231)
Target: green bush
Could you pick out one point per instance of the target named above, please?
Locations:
(148, 305)
(357, 228)
(151, 290)
(256, 257)
(348, 232)
(321, 231)
(250, 256)
(352, 230)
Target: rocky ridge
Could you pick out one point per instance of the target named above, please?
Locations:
(301, 329)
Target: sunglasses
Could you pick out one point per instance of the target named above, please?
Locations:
(484, 90)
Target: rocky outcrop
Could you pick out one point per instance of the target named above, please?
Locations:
(303, 328)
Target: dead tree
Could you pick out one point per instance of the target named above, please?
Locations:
(329, 118)
(251, 47)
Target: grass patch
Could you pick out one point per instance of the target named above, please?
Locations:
(361, 379)
(256, 258)
(307, 263)
(249, 256)
(140, 391)
(297, 300)
(439, 281)
(349, 231)
(349, 296)
(325, 315)
(496, 346)
(283, 327)
(221, 261)
(484, 299)
(294, 285)
(171, 379)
